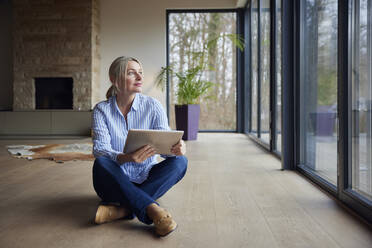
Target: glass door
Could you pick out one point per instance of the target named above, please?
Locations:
(318, 89)
(361, 101)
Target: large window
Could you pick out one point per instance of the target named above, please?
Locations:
(318, 88)
(187, 34)
(265, 70)
(254, 71)
(310, 69)
(361, 106)
(278, 71)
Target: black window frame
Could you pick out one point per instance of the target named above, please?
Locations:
(362, 205)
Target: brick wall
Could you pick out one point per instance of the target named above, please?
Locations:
(56, 38)
(95, 53)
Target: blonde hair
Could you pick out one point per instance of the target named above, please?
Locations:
(118, 73)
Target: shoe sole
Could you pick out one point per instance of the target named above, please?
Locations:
(167, 233)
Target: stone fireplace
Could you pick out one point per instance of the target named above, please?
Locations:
(56, 39)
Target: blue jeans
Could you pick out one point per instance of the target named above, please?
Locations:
(112, 185)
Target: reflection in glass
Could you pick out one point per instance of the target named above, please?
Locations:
(265, 70)
(318, 94)
(362, 100)
(254, 83)
(187, 33)
(279, 76)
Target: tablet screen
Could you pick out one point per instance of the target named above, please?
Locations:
(161, 140)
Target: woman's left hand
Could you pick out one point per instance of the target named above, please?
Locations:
(179, 149)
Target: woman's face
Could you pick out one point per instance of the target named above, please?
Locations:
(133, 80)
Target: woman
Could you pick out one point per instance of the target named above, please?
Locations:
(134, 180)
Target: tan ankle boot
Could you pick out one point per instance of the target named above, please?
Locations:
(164, 224)
(107, 213)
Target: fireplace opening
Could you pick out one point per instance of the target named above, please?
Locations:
(53, 93)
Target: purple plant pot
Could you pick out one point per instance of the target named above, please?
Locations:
(323, 121)
(325, 124)
(187, 119)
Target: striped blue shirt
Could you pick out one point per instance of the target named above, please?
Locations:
(110, 130)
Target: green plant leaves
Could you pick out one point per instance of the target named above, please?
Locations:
(191, 88)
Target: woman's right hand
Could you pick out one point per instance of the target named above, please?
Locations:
(137, 156)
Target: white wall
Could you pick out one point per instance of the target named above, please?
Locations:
(138, 29)
(241, 3)
(6, 56)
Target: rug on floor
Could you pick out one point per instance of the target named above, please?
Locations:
(55, 152)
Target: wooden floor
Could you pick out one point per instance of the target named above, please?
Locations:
(233, 195)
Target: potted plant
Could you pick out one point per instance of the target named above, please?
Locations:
(191, 87)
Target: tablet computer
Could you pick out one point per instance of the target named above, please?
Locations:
(161, 140)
